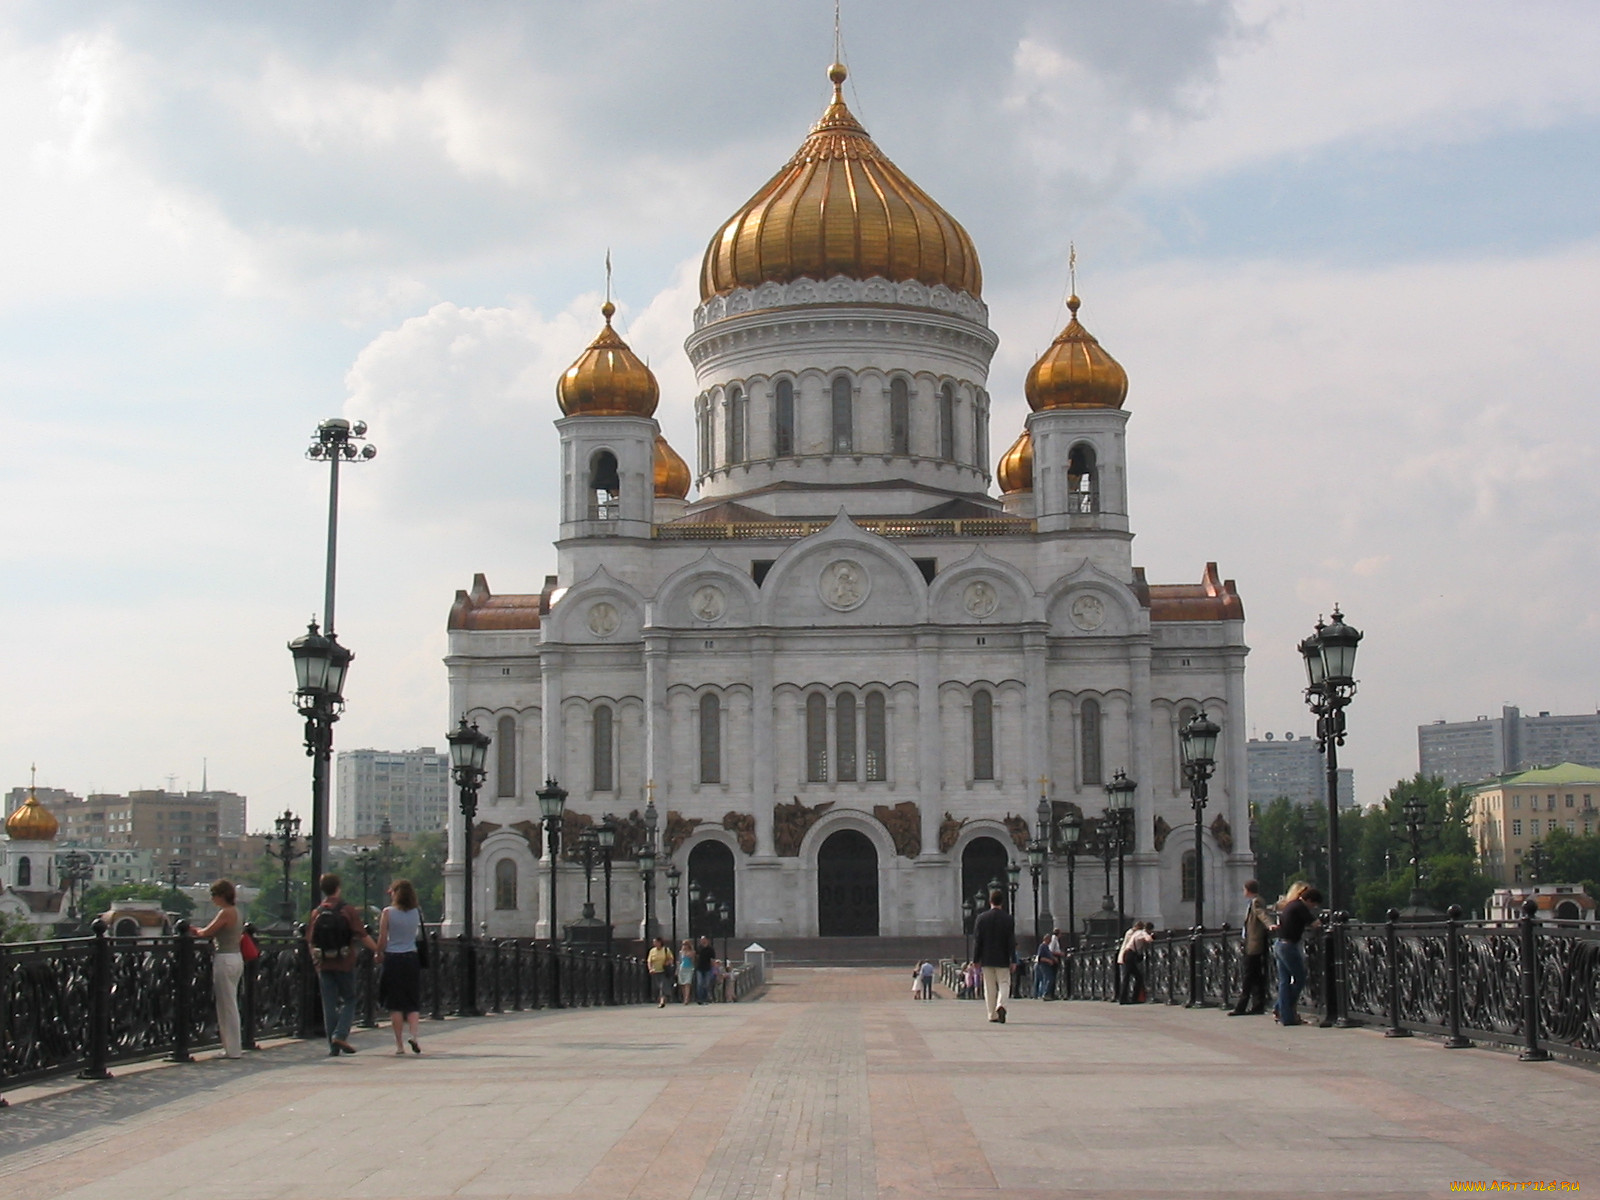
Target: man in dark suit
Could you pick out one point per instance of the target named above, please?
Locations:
(1253, 995)
(994, 948)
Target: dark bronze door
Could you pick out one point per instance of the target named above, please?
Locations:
(847, 886)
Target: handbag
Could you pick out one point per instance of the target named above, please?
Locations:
(248, 950)
(422, 942)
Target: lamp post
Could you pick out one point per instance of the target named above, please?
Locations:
(286, 833)
(1119, 803)
(588, 841)
(1036, 855)
(1044, 831)
(969, 913)
(673, 877)
(334, 444)
(647, 882)
(74, 868)
(469, 748)
(1330, 661)
(1068, 830)
(1538, 859)
(174, 875)
(320, 667)
(366, 859)
(386, 847)
(652, 927)
(1013, 874)
(725, 923)
(1414, 825)
(606, 838)
(1198, 741)
(552, 803)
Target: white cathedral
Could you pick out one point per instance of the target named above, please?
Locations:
(844, 674)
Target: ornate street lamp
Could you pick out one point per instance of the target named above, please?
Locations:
(673, 877)
(1119, 804)
(1416, 827)
(1329, 655)
(1537, 859)
(174, 877)
(552, 804)
(469, 749)
(651, 824)
(286, 833)
(969, 913)
(1068, 831)
(1044, 831)
(366, 859)
(1036, 856)
(695, 895)
(1013, 874)
(606, 838)
(725, 923)
(1198, 741)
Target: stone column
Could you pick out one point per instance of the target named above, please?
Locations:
(763, 781)
(930, 776)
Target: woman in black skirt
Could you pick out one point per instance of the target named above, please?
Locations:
(400, 989)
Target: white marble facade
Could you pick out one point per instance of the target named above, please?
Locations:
(820, 640)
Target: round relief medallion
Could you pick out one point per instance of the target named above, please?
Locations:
(603, 619)
(1088, 612)
(843, 585)
(980, 599)
(708, 603)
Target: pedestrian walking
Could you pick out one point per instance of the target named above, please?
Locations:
(227, 965)
(1130, 958)
(685, 970)
(1045, 961)
(705, 966)
(400, 987)
(1296, 913)
(1253, 933)
(660, 964)
(922, 980)
(994, 950)
(332, 933)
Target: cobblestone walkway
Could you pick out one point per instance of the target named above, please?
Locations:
(835, 1085)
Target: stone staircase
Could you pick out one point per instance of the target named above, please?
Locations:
(851, 951)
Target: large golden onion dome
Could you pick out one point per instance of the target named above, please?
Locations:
(1015, 472)
(1075, 372)
(672, 473)
(608, 380)
(32, 822)
(839, 207)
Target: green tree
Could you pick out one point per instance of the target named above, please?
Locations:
(15, 929)
(1574, 858)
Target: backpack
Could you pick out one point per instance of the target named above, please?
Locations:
(330, 934)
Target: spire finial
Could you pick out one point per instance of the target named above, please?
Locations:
(608, 309)
(33, 780)
(837, 73)
(1072, 277)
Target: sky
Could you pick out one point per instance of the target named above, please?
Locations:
(1348, 254)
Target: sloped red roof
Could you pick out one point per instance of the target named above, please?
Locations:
(1212, 599)
(481, 609)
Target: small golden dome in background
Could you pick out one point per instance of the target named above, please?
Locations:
(1075, 372)
(608, 380)
(1015, 472)
(32, 822)
(839, 207)
(672, 473)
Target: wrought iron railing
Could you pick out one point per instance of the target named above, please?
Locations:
(85, 1004)
(1528, 983)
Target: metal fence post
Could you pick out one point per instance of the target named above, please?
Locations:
(99, 1006)
(1391, 945)
(1453, 967)
(435, 974)
(1532, 1051)
(369, 975)
(182, 1001)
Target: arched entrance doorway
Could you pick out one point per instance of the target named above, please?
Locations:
(711, 890)
(847, 885)
(983, 861)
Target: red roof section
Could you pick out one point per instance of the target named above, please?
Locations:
(481, 609)
(1212, 599)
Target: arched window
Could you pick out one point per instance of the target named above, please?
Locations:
(877, 739)
(816, 738)
(603, 781)
(783, 406)
(1089, 739)
(1188, 874)
(843, 417)
(844, 736)
(1083, 483)
(736, 409)
(604, 486)
(505, 757)
(24, 872)
(982, 735)
(899, 416)
(710, 739)
(505, 885)
(947, 422)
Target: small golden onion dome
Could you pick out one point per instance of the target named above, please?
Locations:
(1015, 472)
(608, 380)
(32, 822)
(839, 207)
(672, 473)
(1075, 372)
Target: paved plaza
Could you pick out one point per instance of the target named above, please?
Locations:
(834, 1084)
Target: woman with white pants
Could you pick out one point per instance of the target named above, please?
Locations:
(227, 965)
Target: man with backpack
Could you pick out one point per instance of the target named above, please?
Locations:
(332, 933)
